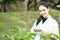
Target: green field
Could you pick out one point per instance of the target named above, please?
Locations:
(10, 20)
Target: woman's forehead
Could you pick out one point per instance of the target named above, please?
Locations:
(42, 7)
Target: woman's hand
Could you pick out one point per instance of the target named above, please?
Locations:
(37, 30)
(52, 37)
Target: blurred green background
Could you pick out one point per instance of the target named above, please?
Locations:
(23, 13)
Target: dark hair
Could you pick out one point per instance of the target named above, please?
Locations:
(44, 4)
(38, 20)
(41, 17)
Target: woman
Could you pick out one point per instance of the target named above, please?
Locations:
(45, 22)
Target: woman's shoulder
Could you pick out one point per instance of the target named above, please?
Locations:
(53, 21)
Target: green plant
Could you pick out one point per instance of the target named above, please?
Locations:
(24, 34)
(18, 34)
(45, 36)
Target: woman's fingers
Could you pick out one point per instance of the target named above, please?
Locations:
(37, 30)
(52, 37)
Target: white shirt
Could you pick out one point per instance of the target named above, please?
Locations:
(49, 26)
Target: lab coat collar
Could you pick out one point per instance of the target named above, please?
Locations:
(49, 17)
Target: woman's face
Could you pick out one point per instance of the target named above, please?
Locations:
(43, 11)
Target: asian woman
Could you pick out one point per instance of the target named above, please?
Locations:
(45, 22)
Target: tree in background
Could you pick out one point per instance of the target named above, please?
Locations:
(26, 3)
(17, 5)
(3, 5)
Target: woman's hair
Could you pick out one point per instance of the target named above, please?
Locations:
(38, 20)
(44, 4)
(41, 17)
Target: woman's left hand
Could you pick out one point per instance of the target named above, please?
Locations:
(52, 37)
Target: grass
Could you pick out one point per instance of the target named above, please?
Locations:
(10, 20)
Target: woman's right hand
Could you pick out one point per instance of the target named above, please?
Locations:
(37, 30)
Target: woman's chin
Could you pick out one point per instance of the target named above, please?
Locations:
(44, 16)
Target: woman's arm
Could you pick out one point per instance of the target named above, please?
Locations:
(55, 30)
(33, 27)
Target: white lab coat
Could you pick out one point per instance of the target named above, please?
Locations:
(49, 26)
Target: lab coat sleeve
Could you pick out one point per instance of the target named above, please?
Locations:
(55, 29)
(34, 25)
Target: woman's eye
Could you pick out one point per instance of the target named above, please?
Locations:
(43, 9)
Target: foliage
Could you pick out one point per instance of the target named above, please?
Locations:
(18, 5)
(45, 36)
(23, 34)
(18, 34)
